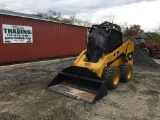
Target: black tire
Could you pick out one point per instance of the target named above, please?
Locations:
(112, 77)
(149, 53)
(146, 50)
(126, 72)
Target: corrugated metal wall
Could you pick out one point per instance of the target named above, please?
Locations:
(49, 40)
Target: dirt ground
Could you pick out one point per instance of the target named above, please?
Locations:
(24, 96)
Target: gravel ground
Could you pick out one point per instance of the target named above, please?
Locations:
(24, 96)
(142, 60)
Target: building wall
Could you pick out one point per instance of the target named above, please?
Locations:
(50, 39)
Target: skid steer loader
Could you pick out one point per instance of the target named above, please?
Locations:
(105, 62)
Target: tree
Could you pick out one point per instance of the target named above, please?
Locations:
(57, 16)
(51, 15)
(155, 38)
(132, 30)
(74, 20)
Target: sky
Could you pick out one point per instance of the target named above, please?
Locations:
(142, 12)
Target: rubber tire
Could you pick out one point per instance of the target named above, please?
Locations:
(109, 76)
(124, 72)
(146, 50)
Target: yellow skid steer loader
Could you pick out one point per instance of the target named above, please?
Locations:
(105, 62)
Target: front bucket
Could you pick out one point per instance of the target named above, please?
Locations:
(79, 83)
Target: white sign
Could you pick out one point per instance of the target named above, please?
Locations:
(17, 34)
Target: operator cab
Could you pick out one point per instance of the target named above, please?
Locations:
(138, 40)
(102, 39)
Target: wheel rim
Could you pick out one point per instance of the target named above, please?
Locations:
(129, 73)
(116, 78)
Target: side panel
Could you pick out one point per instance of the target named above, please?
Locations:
(50, 39)
(130, 52)
(115, 58)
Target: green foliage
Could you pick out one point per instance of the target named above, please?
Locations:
(57, 16)
(155, 38)
(133, 30)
